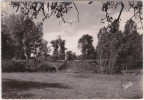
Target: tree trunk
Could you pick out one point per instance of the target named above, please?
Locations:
(25, 54)
(109, 65)
(100, 59)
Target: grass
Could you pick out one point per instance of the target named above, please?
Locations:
(69, 86)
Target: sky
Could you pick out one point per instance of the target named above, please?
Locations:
(89, 23)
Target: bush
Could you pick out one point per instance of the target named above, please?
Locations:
(26, 66)
(48, 66)
(63, 66)
(13, 66)
(45, 66)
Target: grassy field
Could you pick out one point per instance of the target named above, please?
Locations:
(69, 86)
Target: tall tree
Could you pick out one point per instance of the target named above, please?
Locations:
(109, 40)
(44, 50)
(8, 46)
(55, 51)
(25, 34)
(130, 53)
(62, 48)
(86, 46)
(117, 50)
(59, 48)
(102, 48)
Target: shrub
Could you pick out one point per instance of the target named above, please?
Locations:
(27, 66)
(63, 66)
(44, 66)
(13, 66)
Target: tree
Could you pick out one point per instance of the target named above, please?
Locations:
(59, 48)
(117, 50)
(12, 24)
(86, 46)
(71, 55)
(8, 49)
(26, 37)
(44, 50)
(112, 43)
(55, 51)
(102, 48)
(109, 42)
(130, 53)
(62, 48)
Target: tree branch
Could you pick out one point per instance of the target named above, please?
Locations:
(120, 10)
(76, 10)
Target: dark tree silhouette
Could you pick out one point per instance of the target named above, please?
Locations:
(71, 55)
(137, 6)
(23, 35)
(55, 46)
(62, 48)
(130, 52)
(59, 48)
(117, 50)
(86, 46)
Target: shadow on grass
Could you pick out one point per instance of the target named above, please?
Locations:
(8, 84)
(12, 89)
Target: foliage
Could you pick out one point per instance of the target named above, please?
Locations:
(63, 66)
(86, 46)
(71, 55)
(8, 50)
(59, 9)
(26, 66)
(62, 48)
(117, 50)
(17, 66)
(22, 36)
(47, 9)
(130, 53)
(59, 48)
(86, 66)
(79, 57)
(107, 48)
(55, 46)
(136, 6)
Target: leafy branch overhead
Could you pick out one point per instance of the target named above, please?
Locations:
(59, 9)
(136, 6)
(47, 9)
